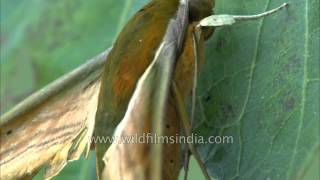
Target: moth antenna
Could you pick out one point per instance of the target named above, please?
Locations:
(257, 16)
(226, 19)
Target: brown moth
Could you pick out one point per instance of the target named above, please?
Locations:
(150, 109)
(58, 134)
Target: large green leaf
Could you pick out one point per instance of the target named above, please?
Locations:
(41, 40)
(260, 85)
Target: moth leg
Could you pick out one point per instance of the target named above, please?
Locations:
(195, 44)
(187, 127)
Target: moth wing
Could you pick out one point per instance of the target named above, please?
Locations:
(146, 111)
(52, 126)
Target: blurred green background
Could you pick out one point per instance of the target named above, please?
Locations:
(260, 83)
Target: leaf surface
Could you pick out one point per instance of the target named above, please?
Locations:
(260, 85)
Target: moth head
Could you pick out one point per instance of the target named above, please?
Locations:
(199, 9)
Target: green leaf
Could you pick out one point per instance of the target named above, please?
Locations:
(260, 85)
(42, 40)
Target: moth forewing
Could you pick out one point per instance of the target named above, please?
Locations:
(147, 110)
(53, 125)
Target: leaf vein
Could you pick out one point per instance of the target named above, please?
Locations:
(303, 90)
